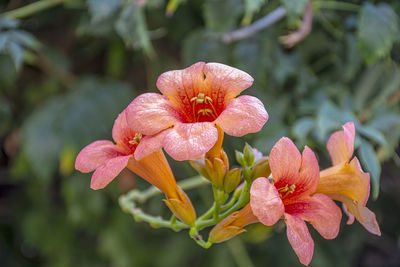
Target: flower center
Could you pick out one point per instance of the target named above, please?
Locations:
(286, 190)
(136, 139)
(203, 108)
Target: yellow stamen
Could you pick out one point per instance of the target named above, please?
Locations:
(287, 190)
(201, 98)
(136, 139)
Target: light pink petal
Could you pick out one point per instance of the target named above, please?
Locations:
(285, 162)
(229, 81)
(94, 155)
(243, 115)
(149, 144)
(320, 211)
(151, 113)
(300, 238)
(308, 179)
(188, 141)
(265, 202)
(341, 144)
(121, 129)
(107, 172)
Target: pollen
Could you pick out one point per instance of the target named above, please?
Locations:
(202, 106)
(286, 190)
(136, 139)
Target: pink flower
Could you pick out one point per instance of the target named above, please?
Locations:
(345, 181)
(107, 160)
(295, 179)
(195, 102)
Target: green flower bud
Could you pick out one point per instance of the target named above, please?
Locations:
(248, 154)
(232, 180)
(240, 158)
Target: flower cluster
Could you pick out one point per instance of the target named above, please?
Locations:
(198, 105)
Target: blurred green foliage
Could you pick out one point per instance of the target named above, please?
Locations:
(67, 70)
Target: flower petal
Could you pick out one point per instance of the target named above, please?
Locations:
(229, 81)
(341, 144)
(285, 162)
(243, 115)
(300, 238)
(320, 211)
(366, 217)
(188, 141)
(107, 172)
(120, 125)
(94, 155)
(151, 113)
(308, 179)
(265, 201)
(345, 180)
(149, 144)
(180, 86)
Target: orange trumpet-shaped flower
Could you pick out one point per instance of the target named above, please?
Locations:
(345, 181)
(295, 179)
(107, 160)
(195, 104)
(232, 225)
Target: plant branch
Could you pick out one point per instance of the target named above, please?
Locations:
(31, 9)
(255, 27)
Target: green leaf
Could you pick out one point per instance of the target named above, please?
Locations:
(372, 133)
(199, 46)
(302, 128)
(371, 164)
(251, 7)
(82, 116)
(295, 10)
(132, 27)
(378, 28)
(328, 119)
(16, 52)
(221, 15)
(102, 9)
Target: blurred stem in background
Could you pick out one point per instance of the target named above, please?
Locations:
(33, 8)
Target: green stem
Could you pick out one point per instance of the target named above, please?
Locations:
(208, 213)
(129, 207)
(187, 184)
(31, 9)
(229, 204)
(336, 5)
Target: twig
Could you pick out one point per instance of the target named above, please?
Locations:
(31, 9)
(296, 37)
(255, 27)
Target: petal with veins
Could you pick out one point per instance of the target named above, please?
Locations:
(265, 201)
(107, 172)
(151, 113)
(243, 115)
(188, 141)
(94, 155)
(299, 238)
(341, 144)
(320, 211)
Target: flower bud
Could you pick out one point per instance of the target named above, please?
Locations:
(232, 225)
(182, 207)
(238, 191)
(232, 180)
(261, 169)
(248, 154)
(200, 166)
(216, 171)
(240, 158)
